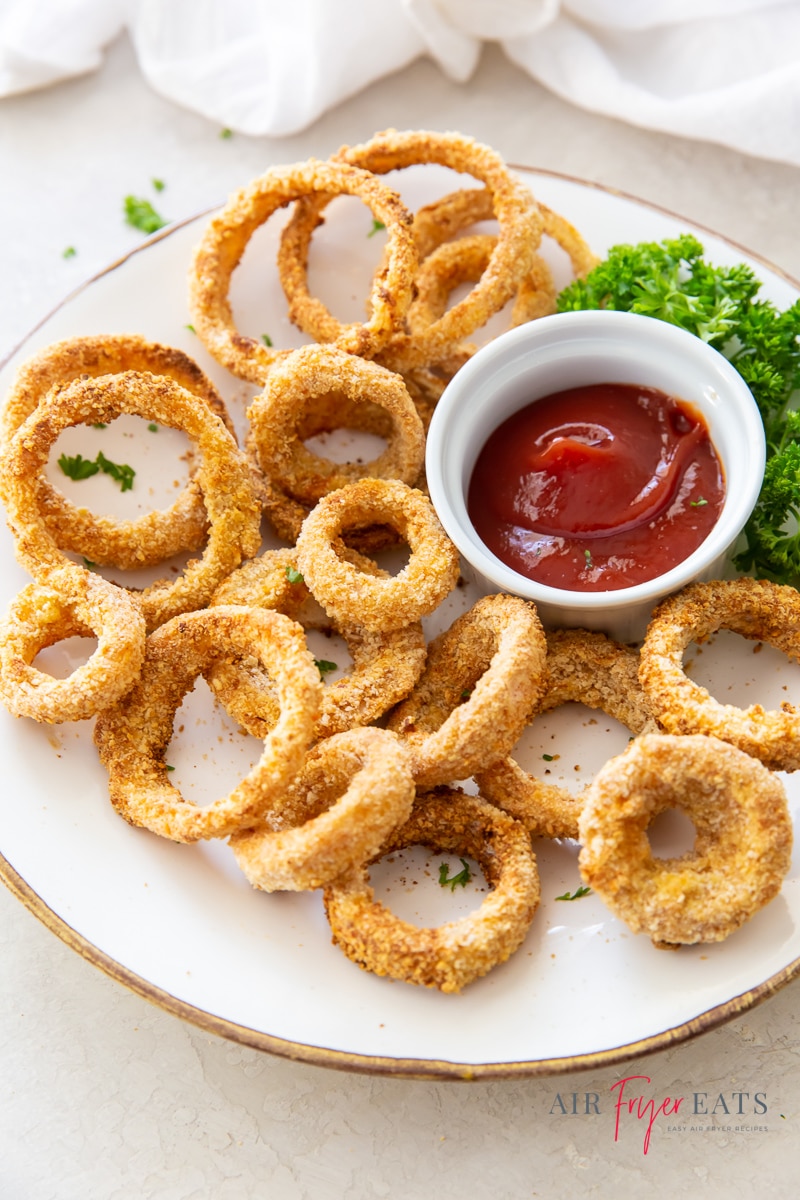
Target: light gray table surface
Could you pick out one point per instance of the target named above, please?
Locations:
(103, 1095)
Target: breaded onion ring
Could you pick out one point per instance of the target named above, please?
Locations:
(756, 609)
(228, 490)
(519, 234)
(452, 955)
(483, 678)
(313, 372)
(741, 853)
(132, 737)
(587, 668)
(353, 597)
(385, 665)
(77, 604)
(226, 237)
(157, 535)
(354, 789)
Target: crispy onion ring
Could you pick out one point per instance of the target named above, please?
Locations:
(516, 212)
(483, 678)
(77, 603)
(148, 539)
(313, 372)
(132, 737)
(452, 955)
(354, 789)
(353, 597)
(385, 665)
(756, 609)
(228, 491)
(225, 239)
(741, 853)
(587, 668)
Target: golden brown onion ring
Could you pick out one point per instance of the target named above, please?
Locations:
(132, 737)
(741, 853)
(225, 239)
(585, 668)
(353, 597)
(483, 678)
(315, 372)
(385, 665)
(452, 955)
(756, 609)
(229, 495)
(77, 603)
(519, 233)
(157, 535)
(354, 789)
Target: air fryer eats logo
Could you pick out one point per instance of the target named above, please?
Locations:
(632, 1101)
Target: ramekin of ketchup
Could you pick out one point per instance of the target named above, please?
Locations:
(594, 462)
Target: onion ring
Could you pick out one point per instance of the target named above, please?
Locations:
(756, 609)
(225, 239)
(76, 603)
(132, 736)
(318, 371)
(516, 212)
(229, 495)
(587, 668)
(452, 955)
(385, 665)
(352, 597)
(483, 678)
(742, 850)
(157, 535)
(354, 789)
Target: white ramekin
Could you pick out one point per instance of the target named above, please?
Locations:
(570, 350)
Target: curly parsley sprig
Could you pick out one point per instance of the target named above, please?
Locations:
(671, 281)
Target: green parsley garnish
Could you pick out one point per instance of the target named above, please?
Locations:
(698, 503)
(141, 215)
(467, 692)
(293, 575)
(99, 425)
(191, 328)
(670, 280)
(462, 878)
(87, 562)
(226, 133)
(167, 767)
(77, 467)
(576, 895)
(323, 666)
(70, 252)
(549, 757)
(377, 226)
(587, 554)
(152, 427)
(158, 185)
(266, 339)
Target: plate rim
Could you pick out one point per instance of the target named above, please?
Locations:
(345, 1060)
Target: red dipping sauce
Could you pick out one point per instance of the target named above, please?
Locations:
(597, 488)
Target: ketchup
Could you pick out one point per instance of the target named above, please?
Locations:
(597, 488)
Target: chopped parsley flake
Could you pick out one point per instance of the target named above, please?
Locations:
(452, 881)
(324, 666)
(141, 215)
(587, 554)
(158, 185)
(191, 328)
(153, 427)
(70, 252)
(549, 757)
(293, 575)
(77, 467)
(266, 339)
(576, 895)
(699, 502)
(226, 133)
(377, 226)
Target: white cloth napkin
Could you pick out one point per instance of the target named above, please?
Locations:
(726, 71)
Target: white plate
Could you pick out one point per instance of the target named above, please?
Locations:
(180, 925)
